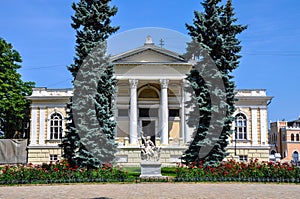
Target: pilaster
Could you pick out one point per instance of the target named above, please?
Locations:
(254, 126)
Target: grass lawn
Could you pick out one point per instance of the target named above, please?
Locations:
(136, 171)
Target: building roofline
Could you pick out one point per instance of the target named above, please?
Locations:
(249, 89)
(51, 89)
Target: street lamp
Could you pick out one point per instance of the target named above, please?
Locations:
(234, 142)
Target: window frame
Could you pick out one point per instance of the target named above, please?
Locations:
(240, 131)
(174, 110)
(52, 124)
(53, 157)
(243, 158)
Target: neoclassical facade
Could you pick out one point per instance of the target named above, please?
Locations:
(151, 98)
(250, 127)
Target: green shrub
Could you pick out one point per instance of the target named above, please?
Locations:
(59, 172)
(239, 171)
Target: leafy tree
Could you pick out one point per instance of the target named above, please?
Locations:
(89, 139)
(215, 33)
(13, 91)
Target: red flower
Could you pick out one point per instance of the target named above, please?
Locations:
(270, 163)
(67, 165)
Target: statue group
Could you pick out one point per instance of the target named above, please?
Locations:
(149, 151)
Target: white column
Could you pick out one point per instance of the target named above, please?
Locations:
(164, 111)
(263, 126)
(133, 111)
(33, 126)
(182, 121)
(185, 98)
(42, 125)
(254, 126)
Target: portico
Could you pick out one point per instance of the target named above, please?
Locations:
(149, 105)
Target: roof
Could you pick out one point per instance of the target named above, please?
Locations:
(295, 121)
(148, 47)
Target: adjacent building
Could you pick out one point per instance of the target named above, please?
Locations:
(284, 139)
(150, 97)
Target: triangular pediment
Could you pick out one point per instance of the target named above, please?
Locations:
(148, 54)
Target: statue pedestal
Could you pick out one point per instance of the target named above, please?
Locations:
(150, 169)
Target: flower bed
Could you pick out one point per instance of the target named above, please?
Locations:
(231, 170)
(60, 172)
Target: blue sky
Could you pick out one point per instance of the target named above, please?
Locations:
(40, 30)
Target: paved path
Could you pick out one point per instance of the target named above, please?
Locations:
(152, 190)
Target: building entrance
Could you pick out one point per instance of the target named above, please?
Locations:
(148, 127)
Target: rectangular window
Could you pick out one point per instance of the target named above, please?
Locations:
(173, 112)
(122, 112)
(146, 112)
(53, 157)
(243, 158)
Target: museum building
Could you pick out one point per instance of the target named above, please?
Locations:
(150, 97)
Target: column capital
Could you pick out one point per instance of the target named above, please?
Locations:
(164, 83)
(184, 81)
(185, 84)
(133, 83)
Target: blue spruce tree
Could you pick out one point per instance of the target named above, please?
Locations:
(89, 139)
(214, 42)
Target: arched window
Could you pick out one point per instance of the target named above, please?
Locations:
(297, 137)
(296, 157)
(240, 127)
(56, 126)
(292, 137)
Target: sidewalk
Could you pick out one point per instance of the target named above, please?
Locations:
(152, 190)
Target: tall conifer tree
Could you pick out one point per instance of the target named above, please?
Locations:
(87, 128)
(93, 25)
(215, 32)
